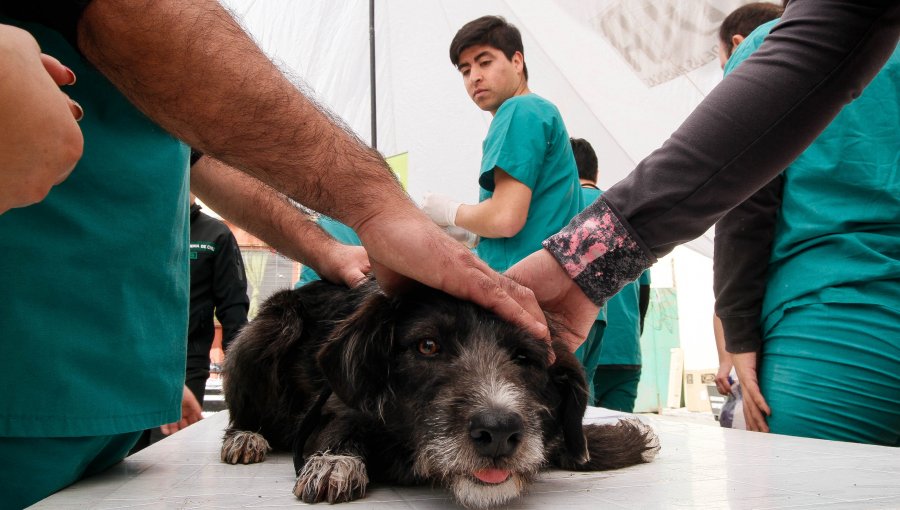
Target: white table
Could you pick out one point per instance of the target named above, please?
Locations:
(699, 467)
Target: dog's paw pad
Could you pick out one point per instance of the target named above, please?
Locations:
(331, 478)
(242, 447)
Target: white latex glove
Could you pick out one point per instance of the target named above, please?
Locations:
(441, 209)
(469, 239)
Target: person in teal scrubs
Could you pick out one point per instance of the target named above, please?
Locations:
(618, 371)
(611, 353)
(825, 319)
(95, 278)
(528, 182)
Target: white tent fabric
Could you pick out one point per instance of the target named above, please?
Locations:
(597, 60)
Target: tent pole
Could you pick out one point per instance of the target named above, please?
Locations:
(372, 71)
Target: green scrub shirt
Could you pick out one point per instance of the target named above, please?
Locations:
(94, 279)
(528, 140)
(831, 312)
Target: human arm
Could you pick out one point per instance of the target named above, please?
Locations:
(739, 138)
(723, 377)
(743, 244)
(741, 252)
(191, 413)
(269, 215)
(503, 214)
(193, 70)
(40, 141)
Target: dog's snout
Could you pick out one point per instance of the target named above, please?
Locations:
(496, 433)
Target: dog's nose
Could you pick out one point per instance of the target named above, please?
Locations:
(496, 433)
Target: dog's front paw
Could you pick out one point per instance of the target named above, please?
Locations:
(331, 478)
(240, 446)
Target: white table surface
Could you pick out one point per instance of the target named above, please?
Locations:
(699, 467)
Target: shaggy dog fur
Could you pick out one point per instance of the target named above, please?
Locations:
(420, 389)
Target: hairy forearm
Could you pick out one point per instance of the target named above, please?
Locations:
(191, 68)
(503, 214)
(260, 210)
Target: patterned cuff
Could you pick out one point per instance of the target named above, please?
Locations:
(598, 252)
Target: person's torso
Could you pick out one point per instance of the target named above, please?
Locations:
(95, 277)
(837, 235)
(529, 141)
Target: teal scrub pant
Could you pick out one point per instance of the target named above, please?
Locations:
(33, 468)
(615, 387)
(832, 371)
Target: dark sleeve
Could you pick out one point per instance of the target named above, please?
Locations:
(195, 155)
(60, 15)
(744, 133)
(229, 288)
(743, 244)
(643, 303)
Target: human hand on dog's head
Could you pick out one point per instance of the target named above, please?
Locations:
(347, 265)
(405, 247)
(569, 309)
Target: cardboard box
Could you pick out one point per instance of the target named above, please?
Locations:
(696, 396)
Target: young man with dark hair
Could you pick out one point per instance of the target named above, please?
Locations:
(743, 20)
(529, 181)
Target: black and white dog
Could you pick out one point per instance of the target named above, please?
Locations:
(420, 389)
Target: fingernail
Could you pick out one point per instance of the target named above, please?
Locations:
(72, 78)
(80, 114)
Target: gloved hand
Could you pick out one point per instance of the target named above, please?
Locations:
(469, 239)
(441, 209)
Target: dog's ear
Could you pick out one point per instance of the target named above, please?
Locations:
(356, 359)
(567, 375)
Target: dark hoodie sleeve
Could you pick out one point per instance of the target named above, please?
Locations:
(743, 244)
(62, 16)
(741, 136)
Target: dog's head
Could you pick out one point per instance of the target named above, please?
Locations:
(474, 393)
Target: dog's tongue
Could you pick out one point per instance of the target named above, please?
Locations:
(491, 475)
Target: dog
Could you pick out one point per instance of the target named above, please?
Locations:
(418, 389)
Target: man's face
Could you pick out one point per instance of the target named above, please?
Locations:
(491, 78)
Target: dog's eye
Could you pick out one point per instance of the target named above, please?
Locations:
(428, 347)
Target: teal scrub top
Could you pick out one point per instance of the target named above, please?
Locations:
(622, 338)
(840, 213)
(528, 140)
(94, 280)
(337, 230)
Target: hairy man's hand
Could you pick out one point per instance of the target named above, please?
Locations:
(558, 295)
(345, 264)
(405, 246)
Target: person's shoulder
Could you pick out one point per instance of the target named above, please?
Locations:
(756, 37)
(531, 105)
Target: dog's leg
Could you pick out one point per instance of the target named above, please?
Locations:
(332, 478)
(241, 446)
